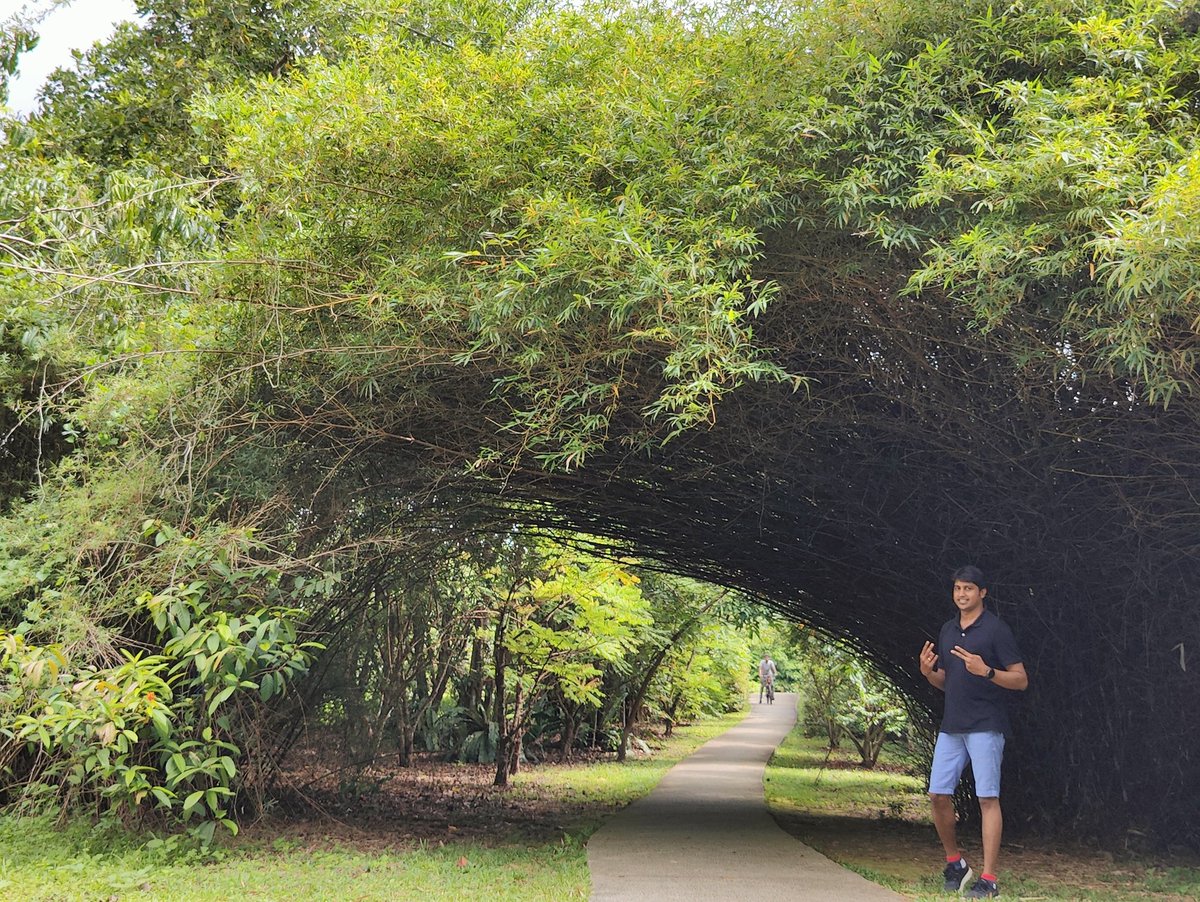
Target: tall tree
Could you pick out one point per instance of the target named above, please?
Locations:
(557, 620)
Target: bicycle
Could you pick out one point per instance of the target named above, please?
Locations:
(767, 689)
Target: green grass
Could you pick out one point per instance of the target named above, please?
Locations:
(877, 823)
(804, 776)
(609, 784)
(1183, 881)
(42, 861)
(1131, 889)
(42, 864)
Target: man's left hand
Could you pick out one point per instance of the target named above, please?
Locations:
(975, 664)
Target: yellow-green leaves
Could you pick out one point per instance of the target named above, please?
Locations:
(575, 209)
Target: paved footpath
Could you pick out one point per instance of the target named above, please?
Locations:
(705, 834)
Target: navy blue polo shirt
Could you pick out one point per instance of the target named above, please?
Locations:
(975, 704)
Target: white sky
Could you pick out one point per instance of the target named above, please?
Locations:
(75, 26)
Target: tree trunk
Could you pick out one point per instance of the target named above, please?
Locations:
(499, 667)
(514, 755)
(473, 694)
(623, 746)
(652, 669)
(404, 729)
(671, 709)
(640, 694)
(834, 731)
(569, 732)
(516, 732)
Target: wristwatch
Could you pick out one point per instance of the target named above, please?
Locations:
(991, 673)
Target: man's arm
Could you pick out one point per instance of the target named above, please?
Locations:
(1013, 677)
(928, 659)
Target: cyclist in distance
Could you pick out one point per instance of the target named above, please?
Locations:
(766, 679)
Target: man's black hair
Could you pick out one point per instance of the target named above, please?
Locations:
(970, 574)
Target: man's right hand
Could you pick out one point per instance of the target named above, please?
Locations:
(928, 659)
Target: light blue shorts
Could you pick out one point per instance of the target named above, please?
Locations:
(985, 751)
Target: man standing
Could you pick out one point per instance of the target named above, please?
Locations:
(977, 664)
(766, 675)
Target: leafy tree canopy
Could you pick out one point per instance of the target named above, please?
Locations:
(263, 251)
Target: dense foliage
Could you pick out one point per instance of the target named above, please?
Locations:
(813, 301)
(846, 698)
(510, 648)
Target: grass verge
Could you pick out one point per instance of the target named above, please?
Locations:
(606, 785)
(72, 865)
(877, 823)
(40, 860)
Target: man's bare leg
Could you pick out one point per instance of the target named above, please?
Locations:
(945, 822)
(993, 827)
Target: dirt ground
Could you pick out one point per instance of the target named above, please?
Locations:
(430, 801)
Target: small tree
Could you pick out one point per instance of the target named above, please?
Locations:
(826, 681)
(680, 609)
(873, 711)
(704, 675)
(849, 698)
(558, 622)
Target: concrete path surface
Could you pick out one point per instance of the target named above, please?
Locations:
(705, 834)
